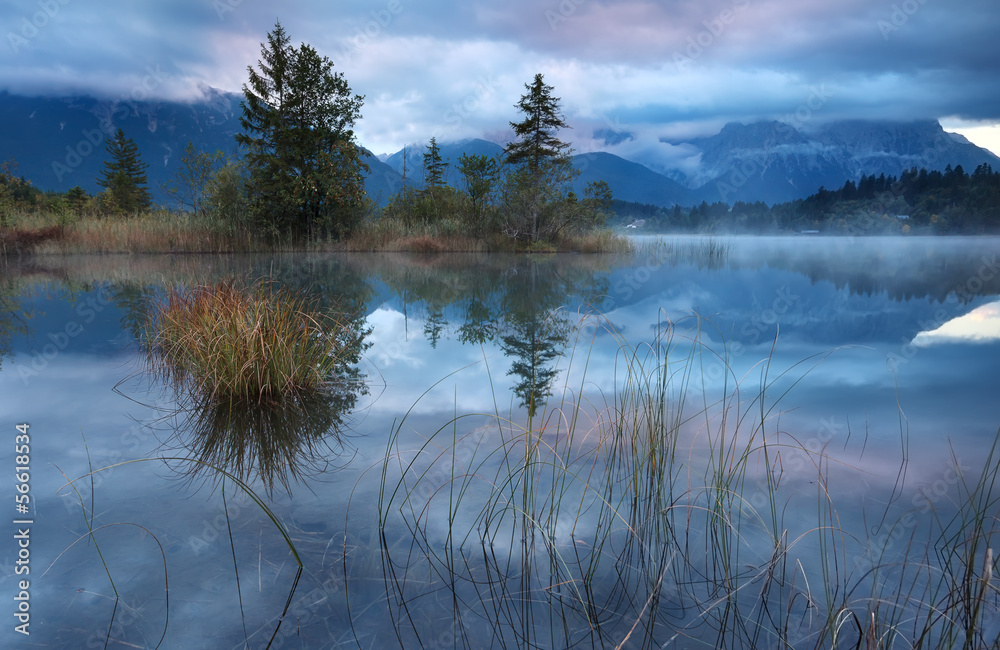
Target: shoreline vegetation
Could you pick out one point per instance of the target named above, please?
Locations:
(297, 184)
(919, 202)
(170, 232)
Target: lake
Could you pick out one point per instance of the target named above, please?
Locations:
(738, 442)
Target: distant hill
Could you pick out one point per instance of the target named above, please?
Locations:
(58, 144)
(451, 152)
(630, 181)
(774, 162)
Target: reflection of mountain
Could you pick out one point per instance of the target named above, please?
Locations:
(904, 268)
(819, 290)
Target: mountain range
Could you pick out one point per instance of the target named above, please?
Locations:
(58, 142)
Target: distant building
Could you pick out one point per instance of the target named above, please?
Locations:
(902, 216)
(638, 223)
(809, 232)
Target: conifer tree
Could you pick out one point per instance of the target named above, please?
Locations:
(124, 177)
(541, 158)
(434, 167)
(304, 168)
(542, 118)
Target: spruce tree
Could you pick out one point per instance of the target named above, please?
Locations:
(542, 118)
(541, 159)
(124, 177)
(434, 167)
(304, 168)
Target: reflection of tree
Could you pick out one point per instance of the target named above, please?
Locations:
(514, 301)
(534, 344)
(433, 325)
(134, 301)
(481, 322)
(12, 319)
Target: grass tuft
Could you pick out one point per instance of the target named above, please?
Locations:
(257, 343)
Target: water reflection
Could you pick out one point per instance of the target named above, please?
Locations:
(904, 268)
(534, 343)
(515, 302)
(278, 440)
(980, 325)
(435, 315)
(13, 321)
(278, 444)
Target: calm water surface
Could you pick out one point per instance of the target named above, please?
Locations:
(870, 366)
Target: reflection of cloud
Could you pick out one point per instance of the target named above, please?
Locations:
(981, 325)
(394, 340)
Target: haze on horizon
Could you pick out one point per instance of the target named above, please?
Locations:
(633, 75)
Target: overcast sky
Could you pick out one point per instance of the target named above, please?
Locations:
(641, 70)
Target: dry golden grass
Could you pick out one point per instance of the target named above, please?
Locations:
(256, 342)
(163, 231)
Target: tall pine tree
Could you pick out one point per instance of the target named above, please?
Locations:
(124, 177)
(434, 167)
(541, 161)
(538, 143)
(305, 169)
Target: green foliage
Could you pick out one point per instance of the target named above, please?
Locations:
(304, 169)
(538, 143)
(225, 194)
(480, 175)
(15, 192)
(77, 198)
(597, 201)
(420, 208)
(537, 205)
(434, 168)
(190, 181)
(124, 178)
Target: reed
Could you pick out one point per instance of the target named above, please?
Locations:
(703, 252)
(659, 517)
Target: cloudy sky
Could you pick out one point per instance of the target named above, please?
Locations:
(651, 71)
